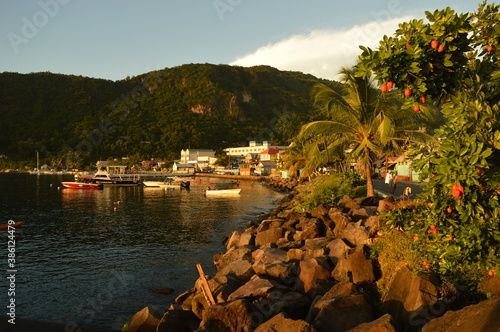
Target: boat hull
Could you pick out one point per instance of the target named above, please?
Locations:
(166, 184)
(222, 191)
(82, 185)
(223, 183)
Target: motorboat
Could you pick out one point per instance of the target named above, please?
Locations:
(222, 183)
(168, 183)
(235, 191)
(83, 183)
(112, 175)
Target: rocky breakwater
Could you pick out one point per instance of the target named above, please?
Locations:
(309, 271)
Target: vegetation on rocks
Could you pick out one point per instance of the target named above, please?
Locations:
(329, 189)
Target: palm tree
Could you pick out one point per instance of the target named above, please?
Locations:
(362, 123)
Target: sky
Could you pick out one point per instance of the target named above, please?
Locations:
(113, 39)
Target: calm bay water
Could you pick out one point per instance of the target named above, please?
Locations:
(92, 256)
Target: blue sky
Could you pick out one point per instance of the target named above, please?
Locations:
(113, 39)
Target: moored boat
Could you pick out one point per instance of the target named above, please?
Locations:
(113, 175)
(168, 183)
(220, 183)
(83, 183)
(222, 191)
(16, 224)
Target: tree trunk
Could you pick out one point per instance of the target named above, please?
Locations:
(369, 181)
(368, 173)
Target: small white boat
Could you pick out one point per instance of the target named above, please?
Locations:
(168, 184)
(223, 191)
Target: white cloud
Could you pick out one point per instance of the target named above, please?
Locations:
(321, 53)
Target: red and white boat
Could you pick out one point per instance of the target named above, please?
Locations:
(83, 183)
(111, 176)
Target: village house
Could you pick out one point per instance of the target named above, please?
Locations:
(150, 165)
(202, 159)
(194, 155)
(184, 168)
(271, 154)
(269, 160)
(247, 168)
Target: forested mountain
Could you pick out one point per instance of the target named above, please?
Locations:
(74, 120)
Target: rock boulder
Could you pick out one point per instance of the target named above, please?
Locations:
(283, 324)
(484, 316)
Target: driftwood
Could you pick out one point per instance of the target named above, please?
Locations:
(206, 290)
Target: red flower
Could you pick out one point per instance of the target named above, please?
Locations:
(457, 190)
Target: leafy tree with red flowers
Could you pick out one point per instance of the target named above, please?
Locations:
(451, 61)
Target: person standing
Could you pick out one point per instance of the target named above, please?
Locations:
(388, 177)
(394, 179)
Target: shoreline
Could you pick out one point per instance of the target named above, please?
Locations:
(297, 270)
(308, 271)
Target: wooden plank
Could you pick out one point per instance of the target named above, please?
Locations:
(206, 290)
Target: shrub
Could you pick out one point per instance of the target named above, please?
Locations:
(328, 189)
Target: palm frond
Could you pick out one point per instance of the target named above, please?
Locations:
(323, 128)
(333, 104)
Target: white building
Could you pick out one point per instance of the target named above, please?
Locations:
(254, 149)
(195, 155)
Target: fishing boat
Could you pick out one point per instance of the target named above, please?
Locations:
(222, 191)
(221, 183)
(168, 183)
(16, 224)
(115, 176)
(111, 175)
(82, 183)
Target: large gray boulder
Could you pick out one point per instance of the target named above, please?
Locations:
(294, 305)
(383, 324)
(233, 254)
(257, 287)
(342, 289)
(270, 223)
(410, 298)
(361, 268)
(337, 249)
(484, 317)
(269, 255)
(344, 313)
(355, 233)
(146, 320)
(178, 320)
(314, 275)
(238, 315)
(241, 270)
(234, 239)
(271, 235)
(311, 229)
(282, 324)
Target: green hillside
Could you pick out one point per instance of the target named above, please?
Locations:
(74, 120)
